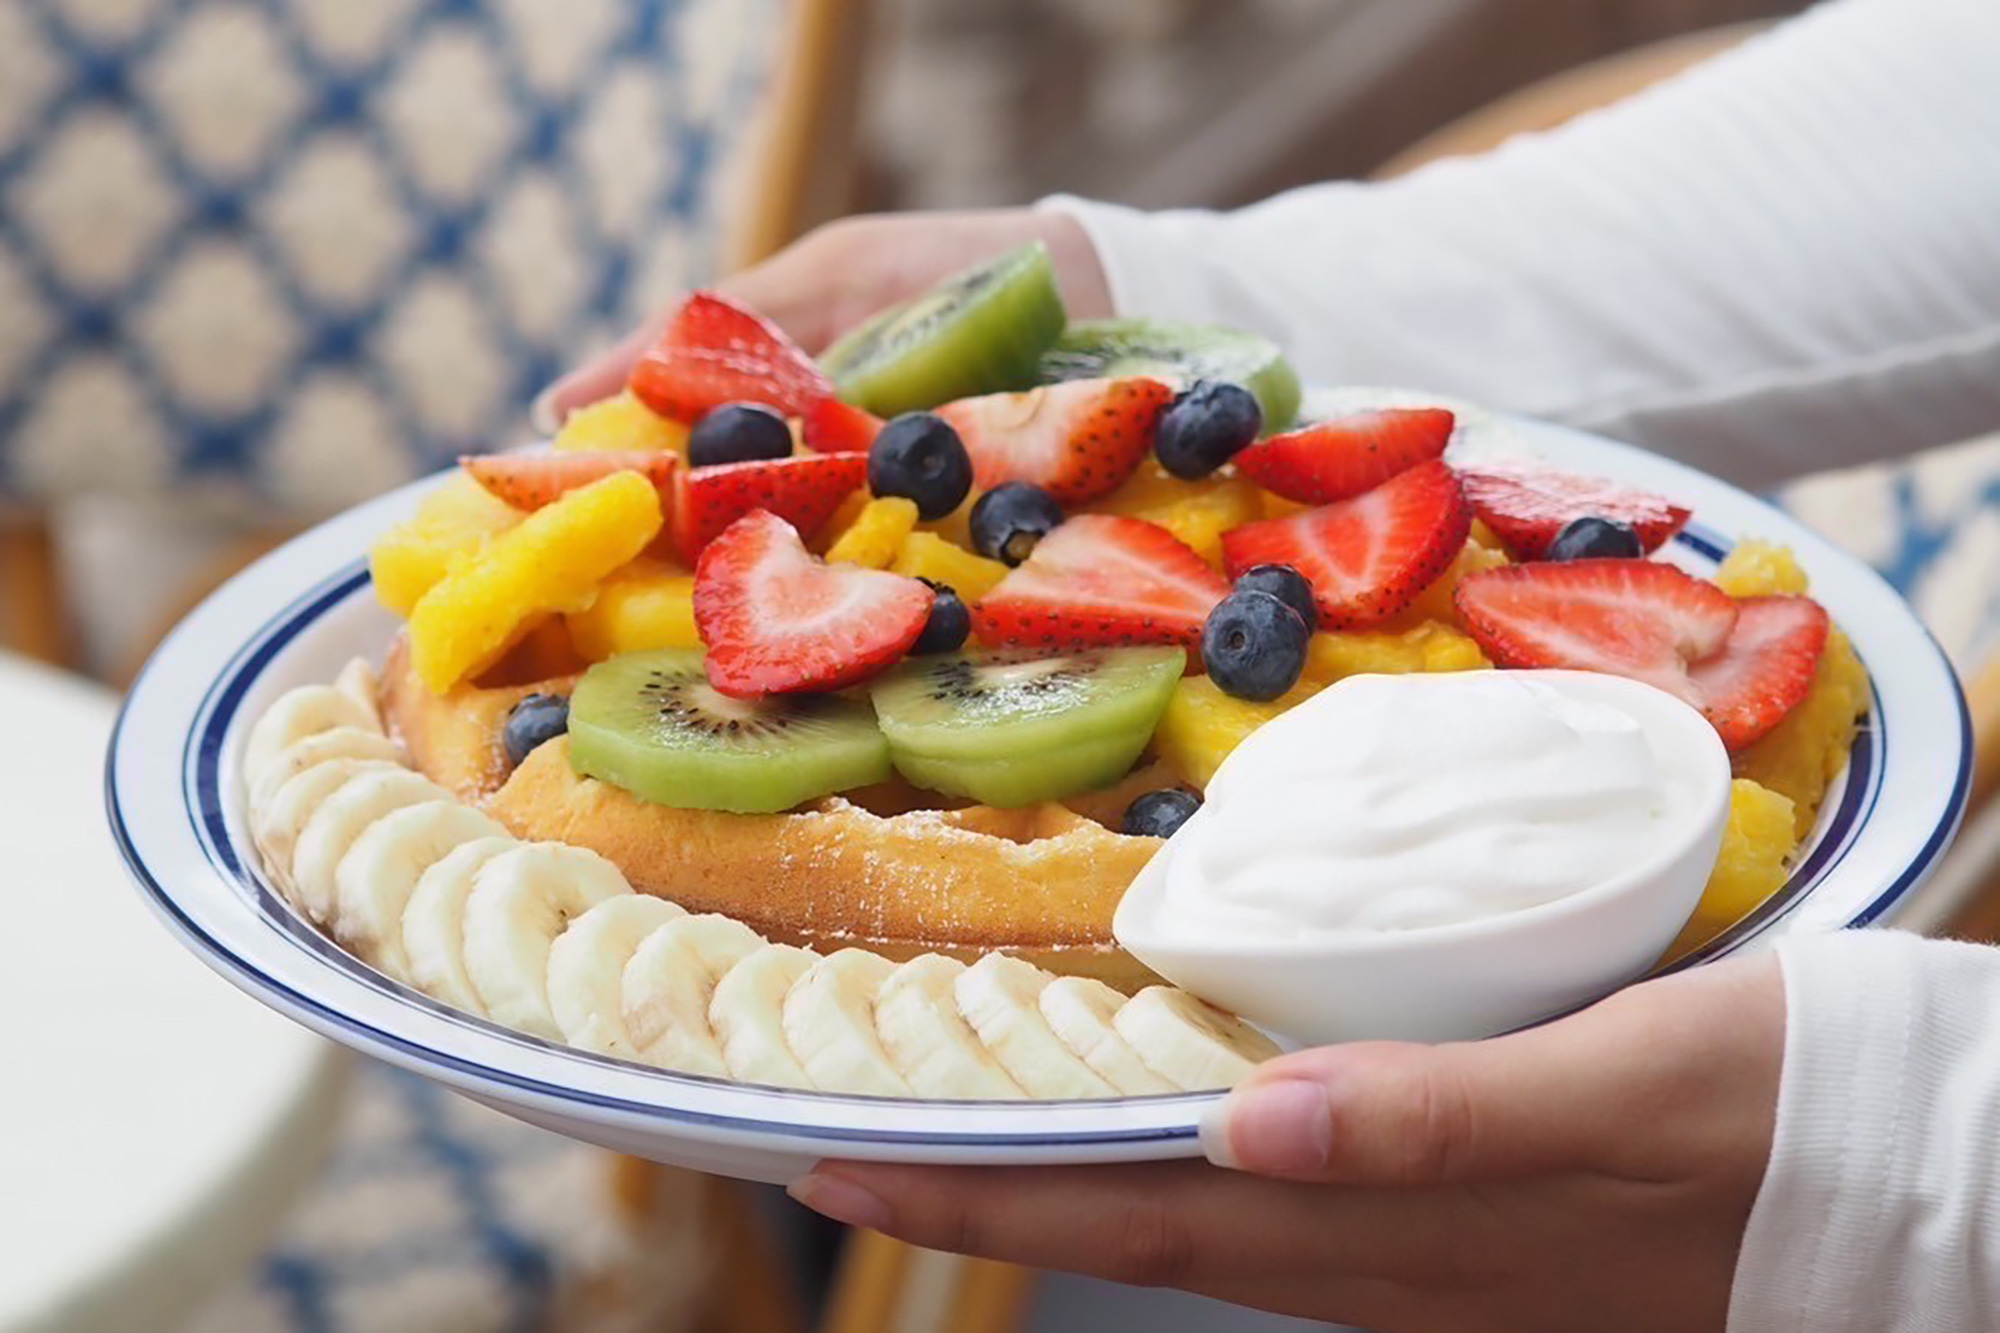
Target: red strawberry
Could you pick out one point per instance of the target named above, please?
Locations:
(715, 352)
(1348, 455)
(778, 620)
(531, 480)
(1635, 618)
(1527, 504)
(834, 427)
(1764, 670)
(804, 491)
(1367, 558)
(1076, 441)
(1101, 579)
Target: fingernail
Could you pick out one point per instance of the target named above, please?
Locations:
(542, 412)
(841, 1200)
(1279, 1127)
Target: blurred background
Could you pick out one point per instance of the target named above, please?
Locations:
(260, 259)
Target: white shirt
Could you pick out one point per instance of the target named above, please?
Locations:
(1786, 260)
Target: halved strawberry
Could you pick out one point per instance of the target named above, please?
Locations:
(804, 491)
(1348, 455)
(1764, 669)
(778, 620)
(531, 480)
(1367, 558)
(834, 427)
(714, 352)
(1076, 441)
(1101, 579)
(1527, 504)
(1636, 618)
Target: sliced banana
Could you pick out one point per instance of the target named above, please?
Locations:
(358, 681)
(300, 713)
(999, 996)
(829, 1019)
(316, 749)
(276, 828)
(1080, 1011)
(434, 923)
(587, 970)
(1189, 1042)
(747, 1016)
(374, 880)
(931, 1045)
(520, 901)
(668, 986)
(339, 820)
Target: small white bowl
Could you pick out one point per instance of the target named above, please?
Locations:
(1472, 978)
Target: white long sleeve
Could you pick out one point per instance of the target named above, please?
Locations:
(1785, 260)
(1880, 1210)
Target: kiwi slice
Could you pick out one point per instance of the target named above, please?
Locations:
(979, 332)
(1012, 728)
(652, 724)
(1183, 352)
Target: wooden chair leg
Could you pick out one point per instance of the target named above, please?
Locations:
(885, 1286)
(32, 619)
(744, 1288)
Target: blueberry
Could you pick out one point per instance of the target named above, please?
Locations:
(536, 718)
(1253, 645)
(1287, 585)
(1591, 538)
(1205, 426)
(1158, 813)
(1008, 520)
(950, 622)
(738, 433)
(920, 457)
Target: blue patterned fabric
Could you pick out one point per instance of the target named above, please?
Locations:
(290, 252)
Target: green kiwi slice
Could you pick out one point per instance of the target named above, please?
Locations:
(981, 331)
(651, 724)
(1184, 352)
(1010, 728)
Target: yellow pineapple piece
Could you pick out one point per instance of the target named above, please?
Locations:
(454, 521)
(648, 604)
(1756, 845)
(876, 534)
(1758, 569)
(1202, 725)
(1434, 603)
(925, 555)
(1197, 512)
(551, 562)
(621, 422)
(1804, 753)
(1429, 647)
(840, 520)
(1277, 506)
(955, 527)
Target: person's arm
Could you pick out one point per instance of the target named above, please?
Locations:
(1785, 260)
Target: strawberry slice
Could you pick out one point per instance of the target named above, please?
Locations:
(1764, 669)
(1076, 441)
(1102, 580)
(1348, 455)
(834, 427)
(531, 480)
(714, 352)
(1635, 618)
(1527, 504)
(778, 620)
(804, 491)
(1367, 558)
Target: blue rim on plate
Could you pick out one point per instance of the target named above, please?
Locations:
(189, 855)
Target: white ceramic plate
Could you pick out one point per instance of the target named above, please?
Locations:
(176, 808)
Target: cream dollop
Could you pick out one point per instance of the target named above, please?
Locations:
(1390, 803)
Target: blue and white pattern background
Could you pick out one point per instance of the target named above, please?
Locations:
(277, 255)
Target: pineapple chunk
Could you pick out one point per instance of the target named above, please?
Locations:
(551, 562)
(876, 534)
(621, 422)
(454, 522)
(1758, 569)
(1801, 756)
(840, 520)
(926, 555)
(1197, 512)
(1202, 725)
(1751, 866)
(648, 604)
(1428, 647)
(1434, 603)
(956, 527)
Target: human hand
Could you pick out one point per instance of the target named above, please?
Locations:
(838, 275)
(1590, 1174)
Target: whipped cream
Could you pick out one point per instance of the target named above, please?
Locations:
(1389, 803)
